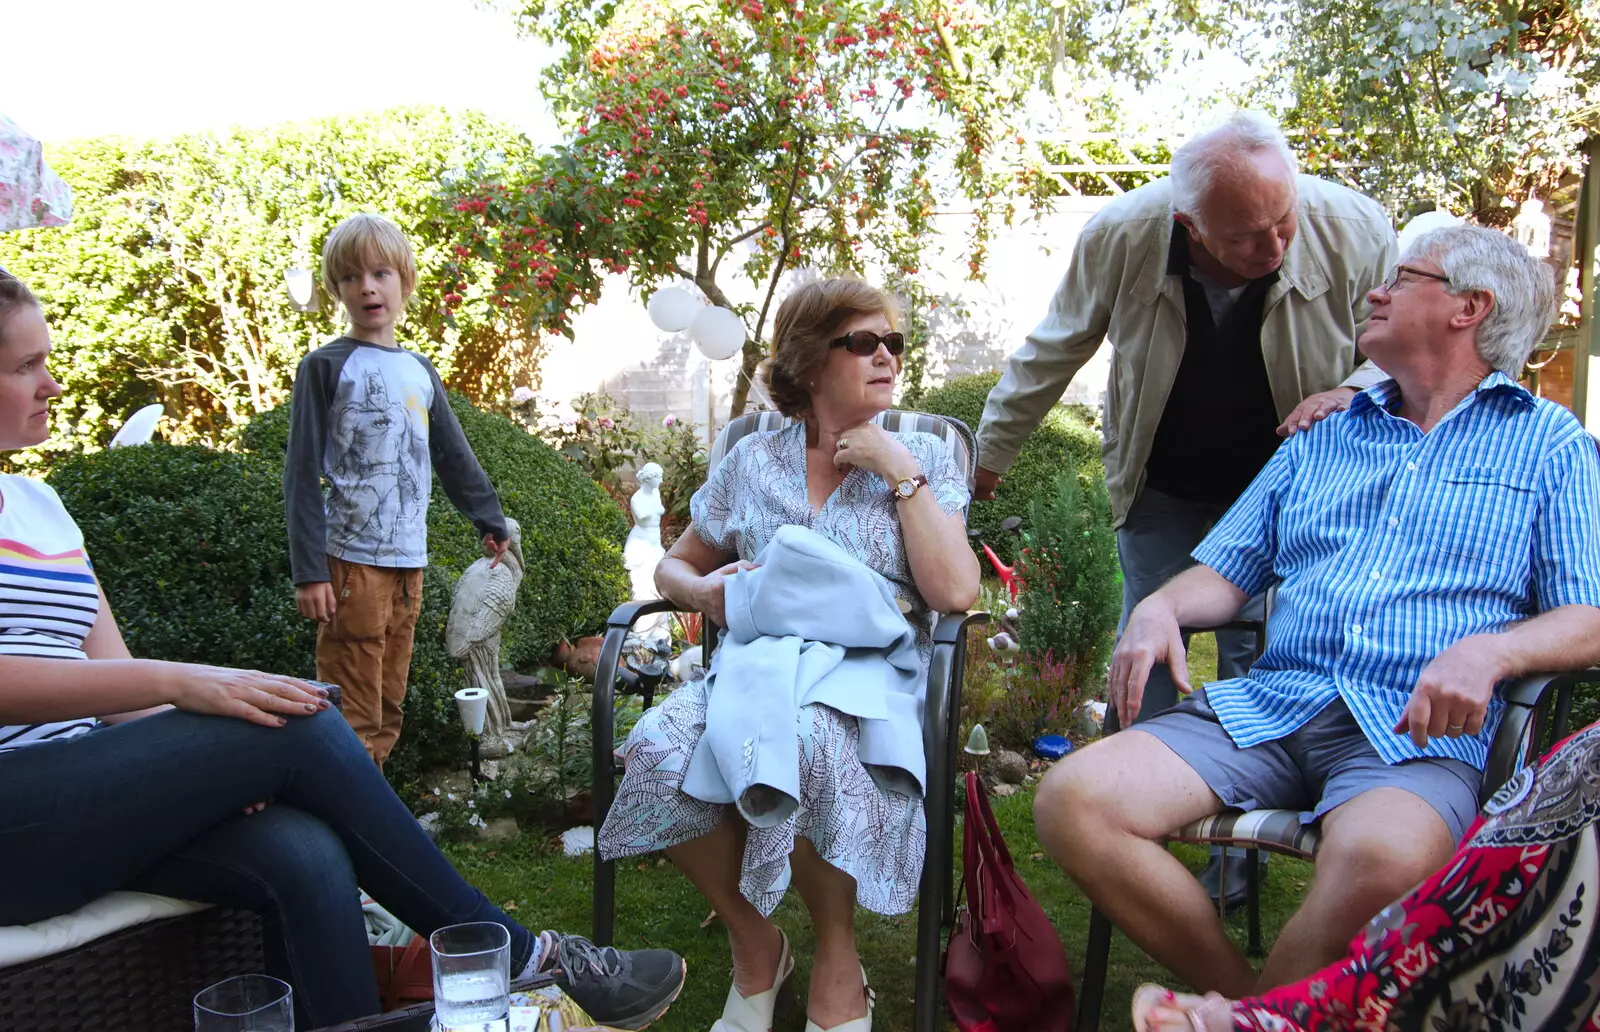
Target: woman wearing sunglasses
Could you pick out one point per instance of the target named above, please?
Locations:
(894, 502)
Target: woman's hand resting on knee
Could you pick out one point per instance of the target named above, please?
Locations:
(266, 699)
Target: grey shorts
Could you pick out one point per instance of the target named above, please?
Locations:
(1328, 761)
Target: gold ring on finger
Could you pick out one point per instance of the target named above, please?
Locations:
(844, 442)
(1455, 727)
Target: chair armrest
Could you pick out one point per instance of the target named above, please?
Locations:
(1537, 705)
(627, 614)
(1530, 690)
(952, 626)
(1258, 626)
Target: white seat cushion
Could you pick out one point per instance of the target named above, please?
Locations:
(110, 913)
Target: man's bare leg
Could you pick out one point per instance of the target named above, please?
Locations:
(1375, 848)
(1100, 814)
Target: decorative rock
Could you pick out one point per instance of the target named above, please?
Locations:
(450, 782)
(499, 829)
(1005, 790)
(1007, 767)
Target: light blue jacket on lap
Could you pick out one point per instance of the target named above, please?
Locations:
(811, 624)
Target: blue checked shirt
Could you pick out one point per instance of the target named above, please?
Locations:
(1388, 545)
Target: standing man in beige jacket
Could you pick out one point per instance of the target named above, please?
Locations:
(1232, 293)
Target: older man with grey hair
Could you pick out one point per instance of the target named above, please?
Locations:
(1438, 537)
(1231, 293)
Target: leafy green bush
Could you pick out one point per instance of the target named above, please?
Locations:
(191, 546)
(168, 284)
(1064, 440)
(1070, 601)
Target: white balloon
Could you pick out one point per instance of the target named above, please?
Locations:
(140, 427)
(673, 308)
(718, 332)
(1426, 222)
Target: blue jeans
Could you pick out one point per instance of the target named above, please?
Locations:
(154, 805)
(1153, 545)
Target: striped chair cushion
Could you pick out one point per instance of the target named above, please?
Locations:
(1277, 831)
(955, 434)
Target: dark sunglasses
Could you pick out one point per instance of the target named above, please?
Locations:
(865, 343)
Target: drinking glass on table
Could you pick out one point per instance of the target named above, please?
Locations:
(472, 976)
(245, 1003)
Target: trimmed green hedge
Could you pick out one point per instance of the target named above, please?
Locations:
(1064, 440)
(191, 546)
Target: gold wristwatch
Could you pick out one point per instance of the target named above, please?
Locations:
(908, 486)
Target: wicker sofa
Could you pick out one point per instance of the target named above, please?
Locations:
(141, 978)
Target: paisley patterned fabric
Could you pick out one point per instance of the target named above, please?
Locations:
(1502, 938)
(30, 194)
(875, 835)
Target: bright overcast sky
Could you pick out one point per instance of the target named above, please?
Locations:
(76, 68)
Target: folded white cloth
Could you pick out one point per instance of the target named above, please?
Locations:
(383, 928)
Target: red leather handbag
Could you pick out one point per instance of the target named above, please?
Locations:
(1005, 969)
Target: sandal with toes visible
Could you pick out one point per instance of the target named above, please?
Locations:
(1158, 1009)
(854, 1024)
(754, 1013)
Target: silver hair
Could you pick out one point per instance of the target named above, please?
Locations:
(1196, 164)
(1522, 286)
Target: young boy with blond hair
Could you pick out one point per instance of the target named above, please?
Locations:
(369, 419)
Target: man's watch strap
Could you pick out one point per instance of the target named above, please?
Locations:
(908, 487)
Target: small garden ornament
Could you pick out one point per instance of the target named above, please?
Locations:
(484, 597)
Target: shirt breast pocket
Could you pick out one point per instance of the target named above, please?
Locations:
(1483, 513)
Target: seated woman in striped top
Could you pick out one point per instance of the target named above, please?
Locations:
(123, 773)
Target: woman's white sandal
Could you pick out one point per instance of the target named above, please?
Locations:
(754, 1013)
(854, 1024)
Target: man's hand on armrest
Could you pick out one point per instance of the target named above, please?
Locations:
(1451, 698)
(1198, 597)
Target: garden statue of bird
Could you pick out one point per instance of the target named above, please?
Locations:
(484, 597)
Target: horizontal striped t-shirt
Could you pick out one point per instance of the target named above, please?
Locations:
(48, 594)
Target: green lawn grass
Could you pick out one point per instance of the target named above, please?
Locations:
(657, 907)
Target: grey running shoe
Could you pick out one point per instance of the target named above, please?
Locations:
(622, 988)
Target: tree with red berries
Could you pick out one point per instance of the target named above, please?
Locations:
(799, 132)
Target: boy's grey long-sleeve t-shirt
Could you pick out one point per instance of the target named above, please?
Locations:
(373, 423)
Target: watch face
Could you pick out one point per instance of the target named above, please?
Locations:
(906, 488)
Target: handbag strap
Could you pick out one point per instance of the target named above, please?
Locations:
(978, 801)
(413, 956)
(984, 850)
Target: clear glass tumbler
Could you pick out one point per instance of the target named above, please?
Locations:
(245, 1003)
(472, 976)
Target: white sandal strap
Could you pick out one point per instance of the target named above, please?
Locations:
(754, 1013)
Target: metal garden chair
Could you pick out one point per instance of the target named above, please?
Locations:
(1538, 710)
(941, 723)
